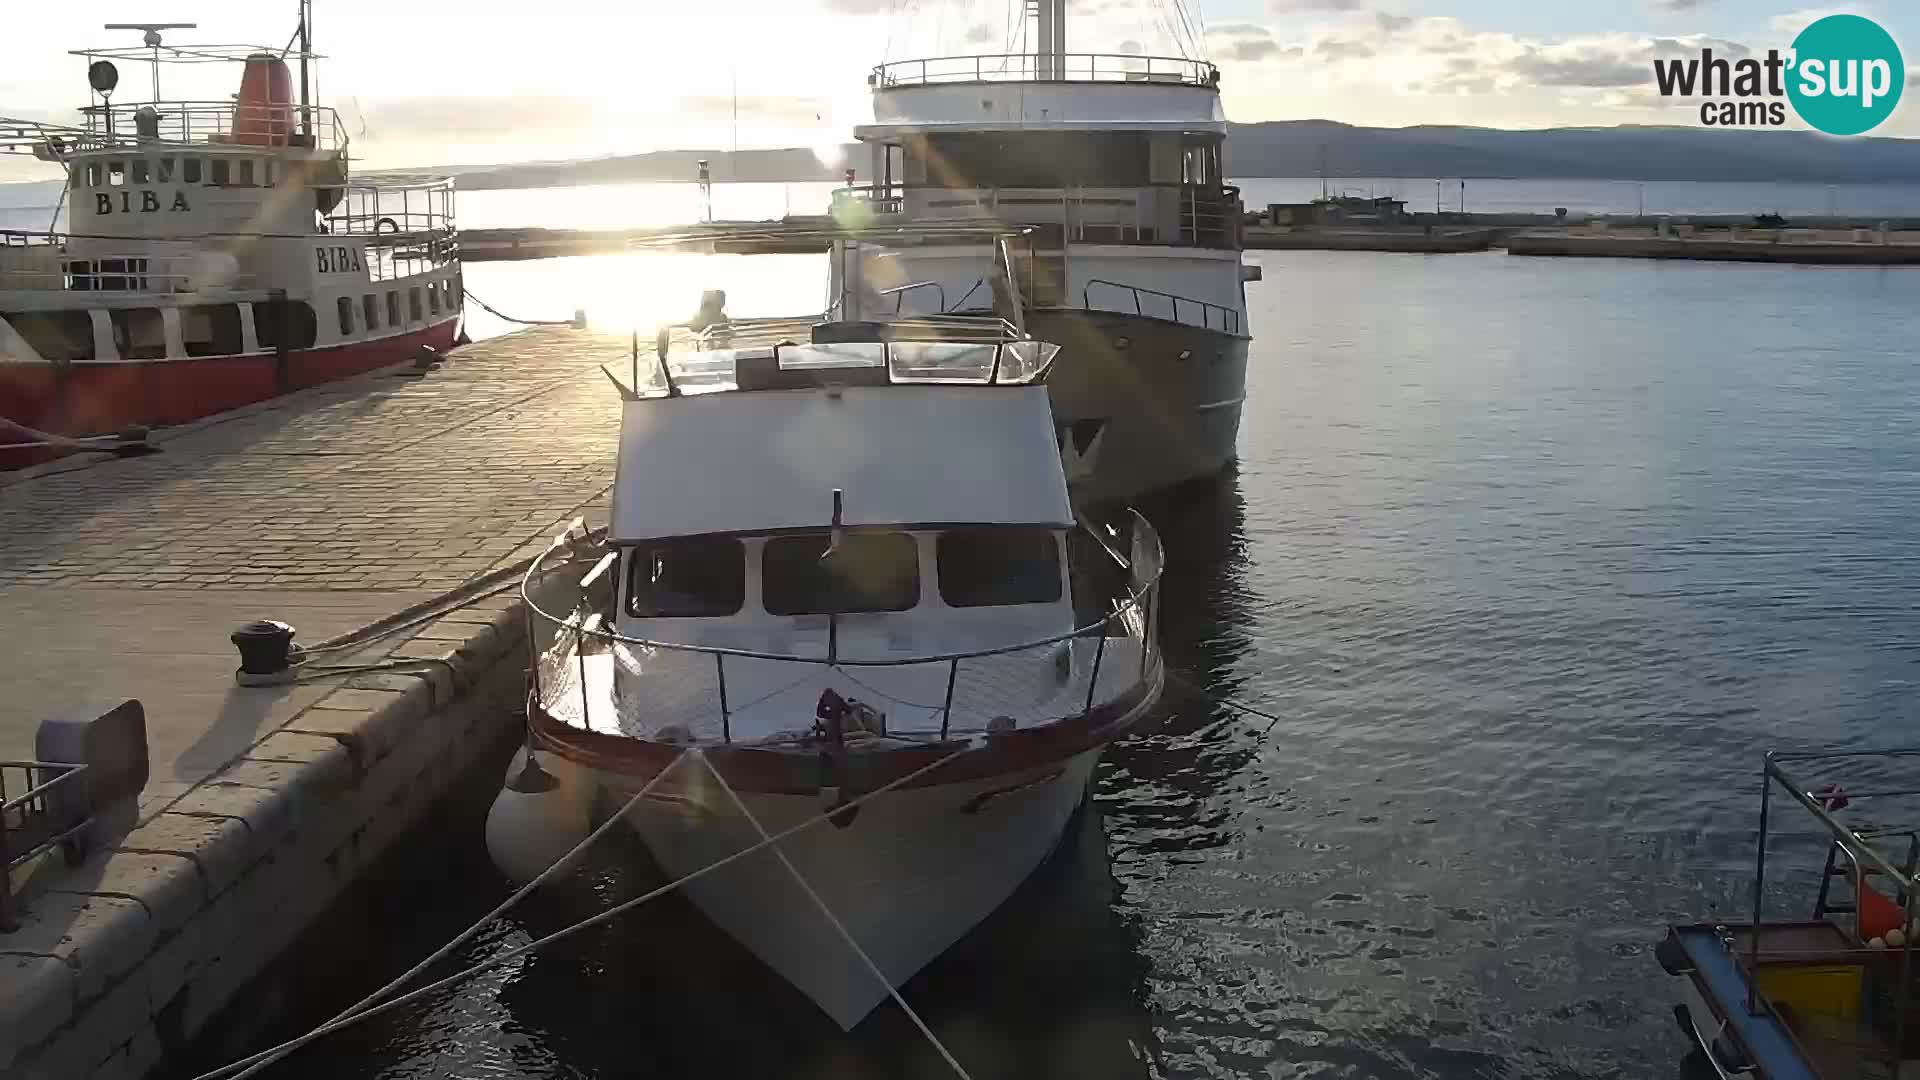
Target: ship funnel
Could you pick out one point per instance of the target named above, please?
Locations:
(263, 115)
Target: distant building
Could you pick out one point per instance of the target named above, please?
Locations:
(1340, 210)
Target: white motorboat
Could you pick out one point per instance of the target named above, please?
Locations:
(843, 601)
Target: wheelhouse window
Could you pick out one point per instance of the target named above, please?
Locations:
(190, 170)
(116, 173)
(998, 567)
(393, 308)
(345, 304)
(414, 309)
(246, 172)
(868, 571)
(686, 578)
(163, 171)
(370, 308)
(141, 171)
(220, 173)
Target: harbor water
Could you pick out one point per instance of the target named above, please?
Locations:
(1531, 561)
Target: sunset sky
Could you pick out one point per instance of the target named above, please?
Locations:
(437, 84)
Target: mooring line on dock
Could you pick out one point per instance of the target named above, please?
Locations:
(498, 314)
(245, 1066)
(466, 935)
(838, 926)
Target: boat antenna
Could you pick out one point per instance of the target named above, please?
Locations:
(152, 41)
(660, 341)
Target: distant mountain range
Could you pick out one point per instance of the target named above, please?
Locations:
(1300, 147)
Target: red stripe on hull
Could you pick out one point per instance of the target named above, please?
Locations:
(87, 399)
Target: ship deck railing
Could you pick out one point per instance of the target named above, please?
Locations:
(216, 123)
(595, 679)
(40, 262)
(408, 224)
(1123, 214)
(1032, 67)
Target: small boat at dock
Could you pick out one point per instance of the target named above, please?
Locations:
(843, 610)
(1830, 996)
(215, 253)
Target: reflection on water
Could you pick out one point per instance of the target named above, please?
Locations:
(1531, 558)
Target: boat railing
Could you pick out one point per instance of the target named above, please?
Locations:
(1039, 67)
(1158, 304)
(1858, 849)
(695, 692)
(1201, 215)
(46, 265)
(409, 227)
(315, 127)
(46, 805)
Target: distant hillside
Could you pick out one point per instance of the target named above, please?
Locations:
(1295, 148)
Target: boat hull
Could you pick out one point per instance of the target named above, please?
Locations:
(90, 398)
(1145, 404)
(910, 874)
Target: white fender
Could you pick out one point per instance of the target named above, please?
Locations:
(535, 820)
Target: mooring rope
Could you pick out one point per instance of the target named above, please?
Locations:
(496, 313)
(466, 935)
(230, 1070)
(838, 927)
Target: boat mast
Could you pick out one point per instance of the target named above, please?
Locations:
(1050, 51)
(306, 46)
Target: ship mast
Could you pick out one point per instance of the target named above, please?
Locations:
(306, 46)
(1050, 50)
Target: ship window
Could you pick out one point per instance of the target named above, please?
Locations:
(345, 304)
(278, 323)
(695, 578)
(868, 572)
(214, 329)
(190, 170)
(93, 174)
(1164, 167)
(370, 307)
(266, 173)
(141, 171)
(433, 298)
(58, 336)
(139, 333)
(414, 310)
(116, 173)
(393, 308)
(997, 567)
(219, 173)
(163, 171)
(246, 172)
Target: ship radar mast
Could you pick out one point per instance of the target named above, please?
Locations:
(151, 38)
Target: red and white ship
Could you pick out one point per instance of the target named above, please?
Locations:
(216, 253)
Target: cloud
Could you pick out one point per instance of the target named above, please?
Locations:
(1543, 69)
(1337, 49)
(1247, 42)
(1793, 22)
(1292, 7)
(1680, 5)
(1392, 24)
(861, 7)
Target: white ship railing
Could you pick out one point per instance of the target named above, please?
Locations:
(409, 227)
(1029, 67)
(39, 261)
(1153, 303)
(1108, 660)
(215, 122)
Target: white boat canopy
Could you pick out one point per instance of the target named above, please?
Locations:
(769, 460)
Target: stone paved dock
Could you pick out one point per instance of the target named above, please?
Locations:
(329, 509)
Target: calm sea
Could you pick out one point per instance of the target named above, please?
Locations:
(1531, 558)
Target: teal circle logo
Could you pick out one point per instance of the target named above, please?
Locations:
(1847, 75)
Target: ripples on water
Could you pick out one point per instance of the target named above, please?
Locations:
(1533, 558)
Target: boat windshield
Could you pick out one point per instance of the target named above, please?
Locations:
(736, 367)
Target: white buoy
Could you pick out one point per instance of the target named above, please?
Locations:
(1877, 943)
(534, 821)
(1896, 938)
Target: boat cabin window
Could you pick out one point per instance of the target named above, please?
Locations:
(245, 178)
(93, 174)
(686, 578)
(58, 336)
(139, 333)
(214, 329)
(370, 308)
(281, 322)
(163, 171)
(998, 567)
(393, 308)
(433, 298)
(142, 171)
(116, 173)
(220, 174)
(869, 571)
(345, 304)
(414, 312)
(190, 170)
(1032, 159)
